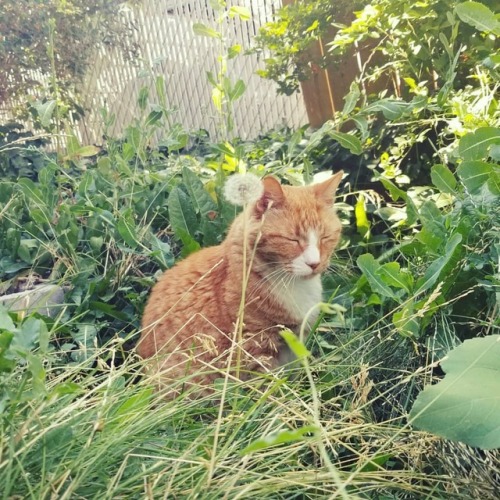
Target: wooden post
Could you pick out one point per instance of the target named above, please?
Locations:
(324, 92)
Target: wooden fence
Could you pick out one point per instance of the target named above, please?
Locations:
(169, 47)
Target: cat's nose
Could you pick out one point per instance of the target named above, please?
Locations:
(313, 265)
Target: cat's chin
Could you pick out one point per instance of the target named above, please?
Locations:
(303, 274)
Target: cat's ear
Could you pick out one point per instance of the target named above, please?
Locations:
(327, 189)
(272, 196)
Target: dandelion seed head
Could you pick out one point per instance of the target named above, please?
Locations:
(243, 189)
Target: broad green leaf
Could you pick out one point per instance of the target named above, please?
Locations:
(237, 90)
(294, 343)
(348, 141)
(476, 145)
(392, 109)
(200, 198)
(478, 15)
(369, 266)
(203, 30)
(29, 335)
(87, 151)
(494, 183)
(392, 275)
(182, 213)
(395, 192)
(443, 179)
(465, 405)
(153, 117)
(126, 228)
(6, 322)
(45, 112)
(242, 12)
(434, 270)
(281, 437)
(474, 174)
(189, 244)
(406, 321)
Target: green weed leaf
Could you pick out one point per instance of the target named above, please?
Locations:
(348, 141)
(295, 344)
(200, 198)
(474, 174)
(203, 30)
(6, 322)
(465, 405)
(281, 437)
(182, 213)
(476, 145)
(45, 112)
(434, 270)
(237, 90)
(370, 267)
(443, 179)
(478, 15)
(242, 12)
(126, 229)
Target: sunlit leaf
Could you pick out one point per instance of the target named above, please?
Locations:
(281, 437)
(203, 30)
(478, 15)
(465, 405)
(443, 179)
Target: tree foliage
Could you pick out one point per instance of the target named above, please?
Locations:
(78, 28)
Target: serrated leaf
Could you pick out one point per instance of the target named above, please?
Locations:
(295, 344)
(370, 267)
(465, 405)
(203, 30)
(181, 213)
(348, 141)
(474, 174)
(45, 112)
(443, 179)
(201, 199)
(478, 15)
(281, 437)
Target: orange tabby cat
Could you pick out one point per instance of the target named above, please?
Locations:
(189, 320)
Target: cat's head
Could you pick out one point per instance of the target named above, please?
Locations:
(299, 228)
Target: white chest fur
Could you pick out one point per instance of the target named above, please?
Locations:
(300, 296)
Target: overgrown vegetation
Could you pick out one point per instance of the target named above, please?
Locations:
(416, 275)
